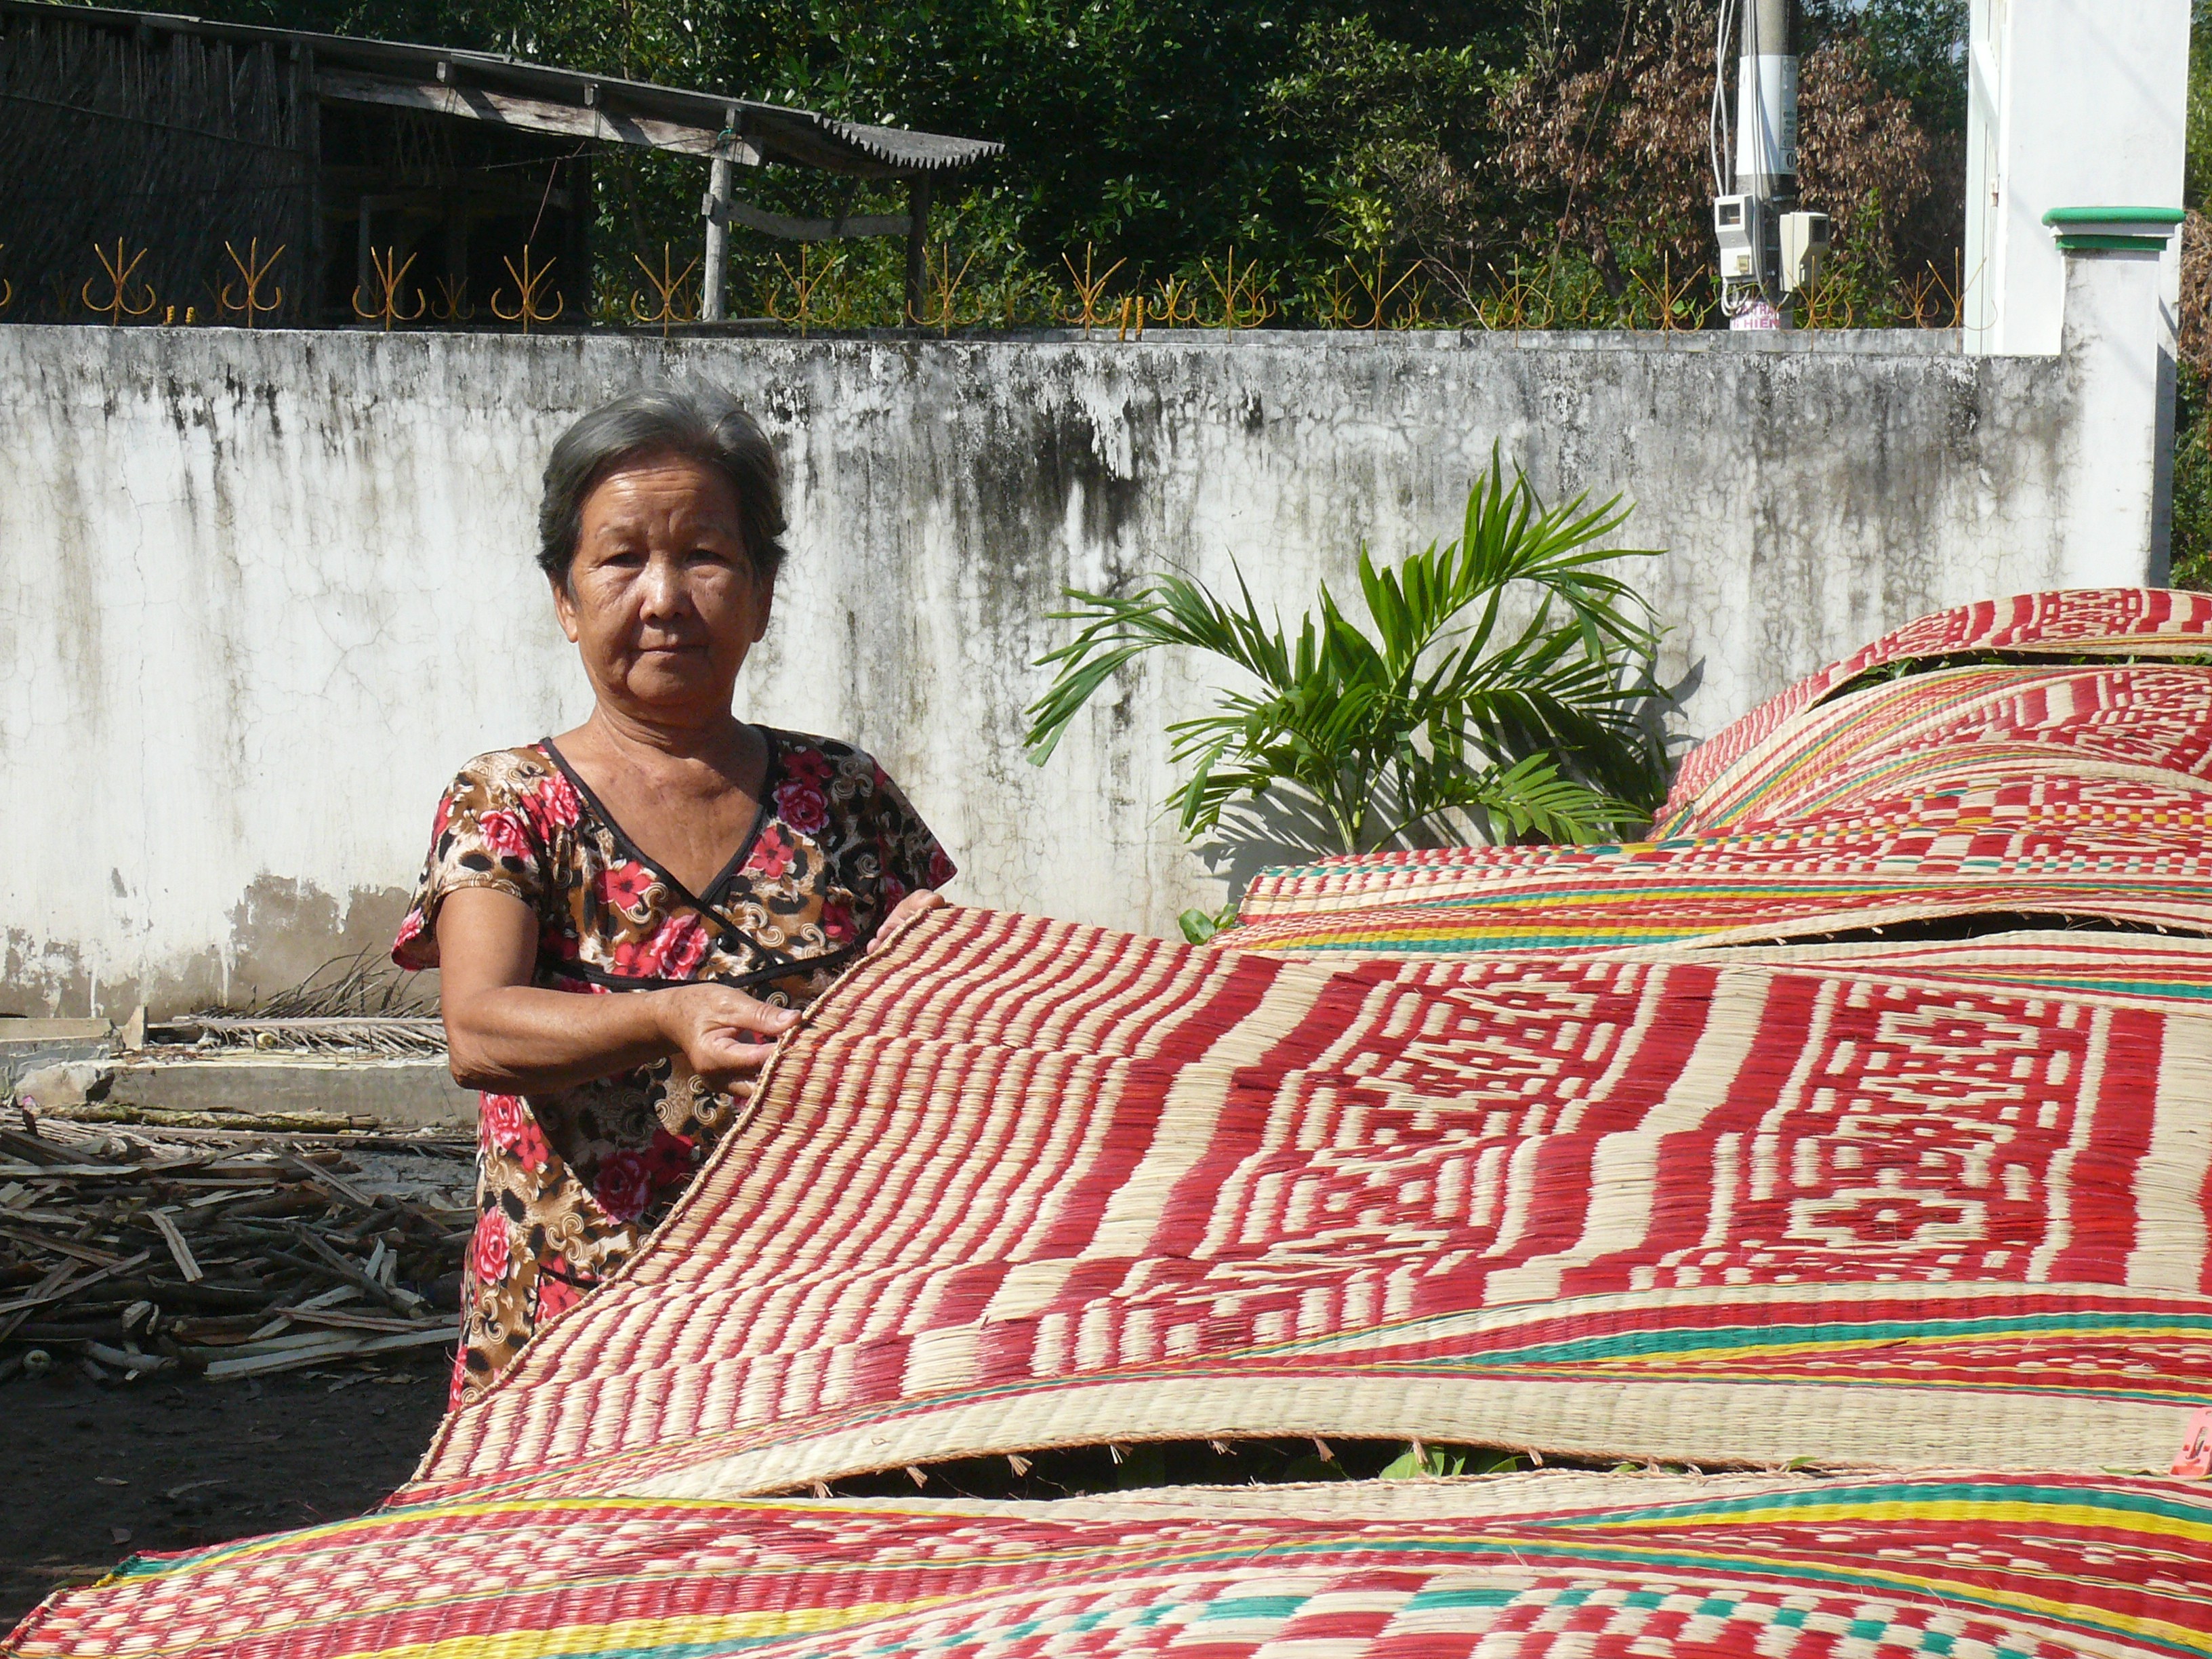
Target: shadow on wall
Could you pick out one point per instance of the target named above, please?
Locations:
(1270, 830)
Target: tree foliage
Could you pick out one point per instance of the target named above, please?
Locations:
(2192, 441)
(1454, 135)
(1613, 136)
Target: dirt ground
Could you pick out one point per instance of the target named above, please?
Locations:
(90, 1475)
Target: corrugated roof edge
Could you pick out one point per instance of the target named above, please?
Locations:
(804, 137)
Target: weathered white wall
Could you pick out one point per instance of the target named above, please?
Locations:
(260, 593)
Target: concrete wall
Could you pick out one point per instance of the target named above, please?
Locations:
(260, 593)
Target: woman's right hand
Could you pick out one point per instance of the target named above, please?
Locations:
(723, 1035)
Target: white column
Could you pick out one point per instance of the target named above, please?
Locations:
(2074, 103)
(2117, 343)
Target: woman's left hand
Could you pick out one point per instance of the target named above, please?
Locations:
(720, 1034)
(914, 904)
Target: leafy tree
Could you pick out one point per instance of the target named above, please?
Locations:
(1909, 57)
(2192, 434)
(1400, 141)
(1608, 139)
(2198, 182)
(1433, 717)
(1458, 133)
(1916, 49)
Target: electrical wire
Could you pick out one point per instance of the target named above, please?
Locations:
(1718, 138)
(1736, 297)
(1717, 135)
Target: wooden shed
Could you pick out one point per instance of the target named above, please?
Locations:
(149, 164)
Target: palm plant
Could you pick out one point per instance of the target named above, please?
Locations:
(1436, 721)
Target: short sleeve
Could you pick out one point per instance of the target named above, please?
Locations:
(907, 851)
(490, 831)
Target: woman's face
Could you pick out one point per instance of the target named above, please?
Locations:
(661, 601)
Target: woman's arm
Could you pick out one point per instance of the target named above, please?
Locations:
(506, 1035)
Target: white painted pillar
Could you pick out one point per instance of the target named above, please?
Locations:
(2115, 494)
(2074, 103)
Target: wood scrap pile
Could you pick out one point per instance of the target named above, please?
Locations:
(221, 1255)
(352, 1004)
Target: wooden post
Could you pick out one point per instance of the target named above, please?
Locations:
(313, 284)
(579, 242)
(917, 245)
(716, 209)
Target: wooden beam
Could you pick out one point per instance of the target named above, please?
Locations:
(533, 115)
(817, 230)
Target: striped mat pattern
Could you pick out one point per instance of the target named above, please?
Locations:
(1734, 903)
(2114, 622)
(2133, 719)
(1962, 815)
(1691, 1210)
(1580, 1567)
(1860, 1121)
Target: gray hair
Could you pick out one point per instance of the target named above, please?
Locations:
(707, 425)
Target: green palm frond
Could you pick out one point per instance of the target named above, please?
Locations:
(1431, 717)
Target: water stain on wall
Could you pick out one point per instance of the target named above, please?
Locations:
(282, 932)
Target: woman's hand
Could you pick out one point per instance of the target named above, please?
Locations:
(723, 1035)
(914, 904)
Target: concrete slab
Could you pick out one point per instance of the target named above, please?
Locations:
(399, 1093)
(32, 1045)
(54, 1030)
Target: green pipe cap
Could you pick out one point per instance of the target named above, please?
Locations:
(2113, 229)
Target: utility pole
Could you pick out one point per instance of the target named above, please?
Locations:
(1769, 250)
(1766, 104)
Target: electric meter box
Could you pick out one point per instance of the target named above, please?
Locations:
(1804, 247)
(1740, 227)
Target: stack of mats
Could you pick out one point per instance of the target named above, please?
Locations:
(1873, 1141)
(1579, 1566)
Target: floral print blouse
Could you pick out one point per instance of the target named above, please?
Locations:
(569, 1182)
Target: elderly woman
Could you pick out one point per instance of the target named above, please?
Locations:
(626, 916)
